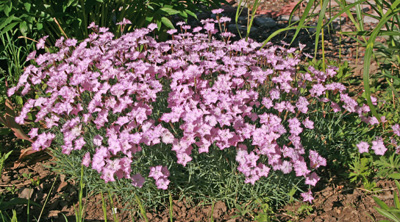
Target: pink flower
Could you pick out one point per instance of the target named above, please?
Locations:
(307, 196)
(396, 129)
(373, 120)
(167, 137)
(349, 103)
(217, 11)
(124, 22)
(224, 19)
(317, 90)
(374, 100)
(79, 143)
(263, 170)
(363, 147)
(93, 25)
(302, 104)
(378, 146)
(172, 31)
(33, 133)
(335, 107)
(286, 167)
(308, 123)
(301, 169)
(11, 91)
(162, 183)
(97, 140)
(316, 160)
(41, 42)
(183, 158)
(137, 180)
(86, 159)
(267, 103)
(152, 26)
(158, 172)
(312, 179)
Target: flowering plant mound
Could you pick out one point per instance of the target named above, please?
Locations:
(103, 95)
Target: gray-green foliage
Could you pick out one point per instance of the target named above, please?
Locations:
(208, 177)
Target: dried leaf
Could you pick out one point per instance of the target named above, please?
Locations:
(8, 119)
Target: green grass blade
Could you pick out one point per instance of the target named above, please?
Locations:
(397, 96)
(239, 11)
(381, 203)
(386, 214)
(253, 13)
(212, 212)
(103, 206)
(302, 19)
(319, 28)
(396, 200)
(360, 16)
(171, 213)
(142, 211)
(369, 52)
(115, 216)
(48, 195)
(277, 32)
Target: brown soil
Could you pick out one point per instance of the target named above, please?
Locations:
(335, 200)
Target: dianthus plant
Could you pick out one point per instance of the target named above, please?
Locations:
(101, 93)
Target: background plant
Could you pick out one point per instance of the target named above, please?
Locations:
(13, 60)
(391, 213)
(35, 19)
(388, 17)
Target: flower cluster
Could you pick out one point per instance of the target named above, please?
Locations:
(160, 174)
(221, 93)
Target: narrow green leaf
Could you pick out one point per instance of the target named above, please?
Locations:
(386, 214)
(7, 9)
(394, 176)
(9, 27)
(369, 52)
(169, 11)
(319, 25)
(15, 201)
(277, 32)
(368, 33)
(183, 14)
(303, 19)
(396, 200)
(149, 18)
(381, 203)
(6, 21)
(397, 185)
(171, 212)
(255, 6)
(191, 13)
(167, 22)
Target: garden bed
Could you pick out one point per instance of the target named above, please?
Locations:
(335, 199)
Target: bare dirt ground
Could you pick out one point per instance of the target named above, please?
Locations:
(335, 200)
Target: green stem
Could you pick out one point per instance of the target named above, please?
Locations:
(85, 25)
